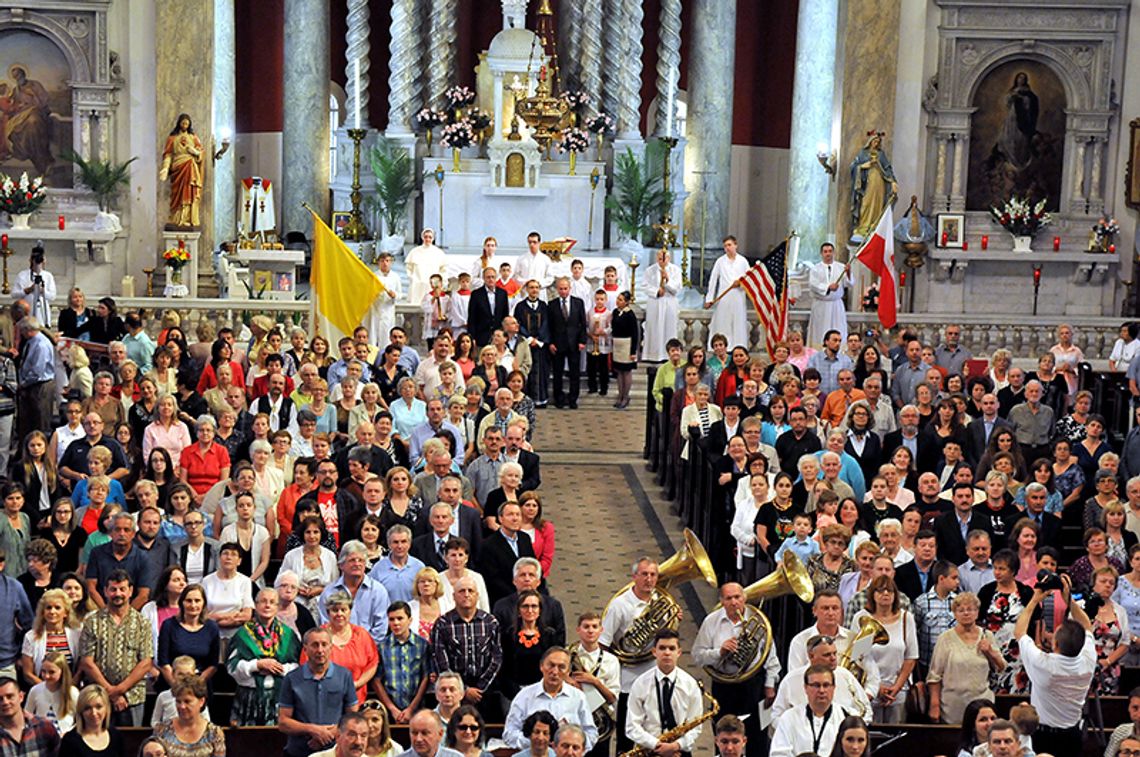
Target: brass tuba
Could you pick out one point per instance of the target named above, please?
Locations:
(754, 641)
(690, 563)
(852, 659)
(602, 711)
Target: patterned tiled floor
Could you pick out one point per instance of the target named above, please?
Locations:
(606, 510)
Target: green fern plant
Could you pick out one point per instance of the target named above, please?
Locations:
(392, 166)
(639, 194)
(104, 178)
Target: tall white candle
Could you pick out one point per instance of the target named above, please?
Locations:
(356, 93)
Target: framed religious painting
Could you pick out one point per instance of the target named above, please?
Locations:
(951, 230)
(1132, 175)
(340, 221)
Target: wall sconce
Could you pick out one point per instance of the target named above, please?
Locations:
(224, 134)
(827, 159)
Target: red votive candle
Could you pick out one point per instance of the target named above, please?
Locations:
(4, 241)
(1036, 275)
(965, 245)
(985, 241)
(1056, 244)
(62, 223)
(945, 238)
(902, 278)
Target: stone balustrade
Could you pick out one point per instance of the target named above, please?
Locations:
(1025, 337)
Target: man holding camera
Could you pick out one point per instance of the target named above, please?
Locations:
(37, 286)
(1060, 679)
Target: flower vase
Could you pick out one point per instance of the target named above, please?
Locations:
(174, 286)
(601, 144)
(573, 163)
(20, 220)
(427, 139)
(1022, 243)
(455, 160)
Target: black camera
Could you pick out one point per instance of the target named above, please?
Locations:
(38, 280)
(1047, 580)
(1093, 604)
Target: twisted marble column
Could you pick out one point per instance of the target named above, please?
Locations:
(358, 49)
(590, 55)
(442, 41)
(305, 136)
(405, 86)
(812, 95)
(225, 99)
(709, 122)
(668, 68)
(570, 43)
(629, 84)
(613, 38)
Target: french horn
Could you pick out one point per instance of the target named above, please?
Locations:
(852, 657)
(690, 563)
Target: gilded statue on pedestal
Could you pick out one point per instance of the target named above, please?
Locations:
(873, 186)
(183, 161)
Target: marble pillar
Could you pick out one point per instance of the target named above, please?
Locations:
(709, 122)
(613, 38)
(870, 65)
(570, 44)
(184, 82)
(590, 54)
(305, 136)
(812, 97)
(629, 84)
(443, 36)
(668, 68)
(357, 49)
(405, 86)
(225, 101)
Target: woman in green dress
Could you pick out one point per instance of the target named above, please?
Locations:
(261, 653)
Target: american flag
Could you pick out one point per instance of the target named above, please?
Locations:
(766, 284)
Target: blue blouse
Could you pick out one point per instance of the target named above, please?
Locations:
(1128, 597)
(405, 419)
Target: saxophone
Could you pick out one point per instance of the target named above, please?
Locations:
(675, 733)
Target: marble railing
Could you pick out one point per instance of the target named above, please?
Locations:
(1025, 337)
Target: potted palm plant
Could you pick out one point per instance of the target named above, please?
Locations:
(639, 194)
(392, 166)
(106, 181)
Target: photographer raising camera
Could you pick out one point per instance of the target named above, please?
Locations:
(1060, 680)
(36, 286)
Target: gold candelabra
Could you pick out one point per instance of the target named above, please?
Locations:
(356, 230)
(5, 252)
(149, 281)
(633, 264)
(545, 111)
(685, 260)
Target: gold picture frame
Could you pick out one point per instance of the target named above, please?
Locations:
(1132, 172)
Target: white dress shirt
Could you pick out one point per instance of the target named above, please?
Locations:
(605, 667)
(643, 721)
(1060, 683)
(798, 656)
(716, 629)
(620, 613)
(535, 267)
(567, 706)
(849, 695)
(794, 733)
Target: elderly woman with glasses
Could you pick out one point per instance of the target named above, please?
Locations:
(969, 651)
(260, 654)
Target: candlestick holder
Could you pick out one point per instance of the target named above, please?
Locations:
(6, 252)
(439, 175)
(149, 281)
(356, 230)
(633, 264)
(1036, 286)
(685, 260)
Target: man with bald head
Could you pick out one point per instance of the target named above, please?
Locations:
(466, 640)
(425, 731)
(1033, 423)
(979, 431)
(716, 642)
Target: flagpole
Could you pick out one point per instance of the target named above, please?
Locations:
(735, 284)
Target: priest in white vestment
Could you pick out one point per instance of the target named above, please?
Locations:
(731, 314)
(421, 263)
(381, 317)
(663, 281)
(828, 283)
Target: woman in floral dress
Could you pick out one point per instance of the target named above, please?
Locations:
(1109, 627)
(1002, 601)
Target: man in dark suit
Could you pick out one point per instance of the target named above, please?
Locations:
(1049, 526)
(534, 326)
(487, 309)
(567, 340)
(514, 453)
(979, 431)
(920, 445)
(429, 548)
(348, 507)
(914, 578)
(379, 461)
(502, 550)
(528, 575)
(950, 528)
(466, 521)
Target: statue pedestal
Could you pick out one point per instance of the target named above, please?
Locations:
(192, 241)
(272, 273)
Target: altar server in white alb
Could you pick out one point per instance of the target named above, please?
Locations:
(382, 315)
(731, 315)
(533, 264)
(421, 262)
(663, 280)
(828, 283)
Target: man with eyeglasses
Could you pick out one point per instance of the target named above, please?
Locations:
(1126, 732)
(73, 464)
(811, 729)
(555, 695)
(848, 694)
(1130, 747)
